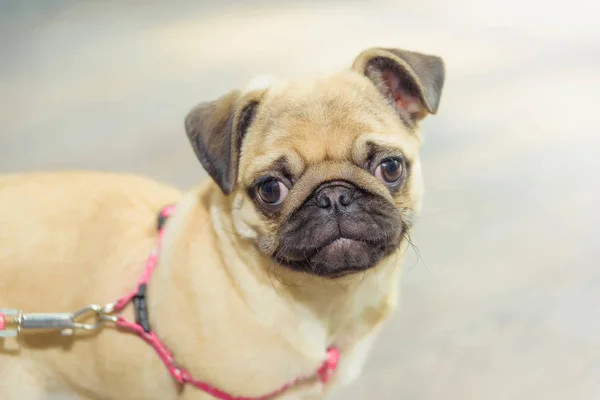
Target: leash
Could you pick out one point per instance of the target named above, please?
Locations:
(14, 321)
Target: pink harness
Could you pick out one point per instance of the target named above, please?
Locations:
(142, 328)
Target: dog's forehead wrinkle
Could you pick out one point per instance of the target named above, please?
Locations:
(325, 139)
(321, 119)
(283, 166)
(289, 163)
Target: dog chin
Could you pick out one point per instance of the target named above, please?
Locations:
(340, 257)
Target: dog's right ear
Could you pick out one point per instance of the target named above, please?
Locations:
(216, 130)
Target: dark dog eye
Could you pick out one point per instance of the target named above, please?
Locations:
(272, 191)
(390, 171)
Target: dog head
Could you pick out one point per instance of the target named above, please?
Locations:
(323, 174)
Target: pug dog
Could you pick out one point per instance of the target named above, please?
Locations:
(292, 249)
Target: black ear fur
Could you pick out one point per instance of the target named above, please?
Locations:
(216, 130)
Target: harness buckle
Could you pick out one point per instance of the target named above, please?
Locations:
(66, 323)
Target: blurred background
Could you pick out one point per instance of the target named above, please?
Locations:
(504, 300)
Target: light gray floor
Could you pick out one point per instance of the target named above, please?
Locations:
(504, 303)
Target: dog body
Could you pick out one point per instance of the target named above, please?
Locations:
(84, 263)
(294, 246)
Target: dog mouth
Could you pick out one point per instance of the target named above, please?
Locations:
(338, 257)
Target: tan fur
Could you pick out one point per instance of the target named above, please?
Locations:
(230, 315)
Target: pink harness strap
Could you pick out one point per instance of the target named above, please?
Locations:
(2, 322)
(181, 375)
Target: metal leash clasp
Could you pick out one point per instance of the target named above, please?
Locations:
(66, 323)
(7, 318)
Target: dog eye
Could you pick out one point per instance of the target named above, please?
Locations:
(272, 191)
(390, 171)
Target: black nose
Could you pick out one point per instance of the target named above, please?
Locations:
(337, 196)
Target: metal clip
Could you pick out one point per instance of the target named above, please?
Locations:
(66, 323)
(6, 330)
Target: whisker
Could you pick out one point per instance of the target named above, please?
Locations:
(416, 250)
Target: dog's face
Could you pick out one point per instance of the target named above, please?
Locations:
(324, 174)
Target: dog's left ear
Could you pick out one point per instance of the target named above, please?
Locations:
(216, 130)
(412, 81)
